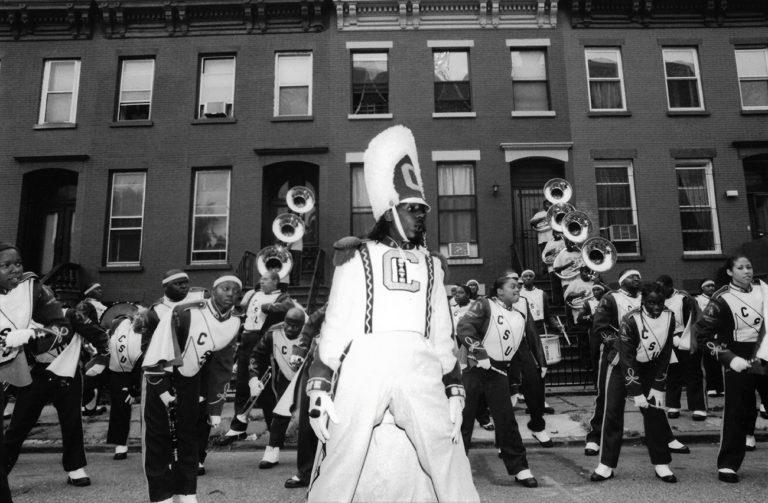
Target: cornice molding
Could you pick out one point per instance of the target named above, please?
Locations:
(46, 20)
(667, 13)
(371, 15)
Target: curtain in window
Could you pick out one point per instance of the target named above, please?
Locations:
(456, 202)
(605, 95)
(695, 211)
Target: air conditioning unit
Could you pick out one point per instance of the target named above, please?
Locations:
(215, 109)
(623, 232)
(458, 250)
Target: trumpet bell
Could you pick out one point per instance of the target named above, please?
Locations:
(300, 199)
(556, 213)
(288, 227)
(599, 254)
(272, 257)
(558, 190)
(576, 226)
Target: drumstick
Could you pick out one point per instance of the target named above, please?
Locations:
(562, 327)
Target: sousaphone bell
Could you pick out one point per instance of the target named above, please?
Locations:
(598, 254)
(272, 257)
(300, 199)
(576, 226)
(288, 227)
(558, 190)
(556, 213)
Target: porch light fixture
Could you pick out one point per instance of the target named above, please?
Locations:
(495, 189)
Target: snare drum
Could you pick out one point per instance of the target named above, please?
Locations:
(551, 345)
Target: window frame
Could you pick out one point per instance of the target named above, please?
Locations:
(120, 88)
(699, 88)
(546, 80)
(199, 109)
(474, 246)
(706, 165)
(355, 210)
(628, 165)
(110, 217)
(382, 50)
(44, 91)
(193, 216)
(277, 87)
(620, 78)
(435, 82)
(739, 78)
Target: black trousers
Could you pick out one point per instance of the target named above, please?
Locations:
(655, 422)
(496, 388)
(713, 372)
(119, 411)
(761, 383)
(65, 395)
(165, 475)
(523, 368)
(739, 415)
(5, 491)
(596, 423)
(278, 424)
(689, 371)
(248, 341)
(307, 440)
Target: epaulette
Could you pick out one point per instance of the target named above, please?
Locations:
(345, 248)
(185, 306)
(639, 309)
(27, 275)
(719, 292)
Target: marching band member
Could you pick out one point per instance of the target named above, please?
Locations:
(274, 350)
(495, 332)
(187, 366)
(540, 223)
(688, 367)
(474, 289)
(732, 329)
(44, 369)
(263, 308)
(639, 359)
(712, 372)
(578, 291)
(459, 303)
(176, 290)
(587, 316)
(387, 336)
(551, 250)
(93, 295)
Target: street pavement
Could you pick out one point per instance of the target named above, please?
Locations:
(563, 474)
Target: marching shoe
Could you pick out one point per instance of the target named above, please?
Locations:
(591, 449)
(78, 478)
(489, 426)
(548, 409)
(699, 415)
(237, 431)
(187, 498)
(295, 482)
(711, 392)
(200, 469)
(749, 443)
(543, 438)
(601, 473)
(763, 412)
(665, 474)
(673, 413)
(727, 475)
(678, 447)
(121, 452)
(271, 458)
(526, 479)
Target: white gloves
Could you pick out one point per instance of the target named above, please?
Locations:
(739, 364)
(484, 364)
(320, 410)
(659, 397)
(167, 398)
(295, 362)
(676, 341)
(19, 337)
(640, 401)
(255, 386)
(456, 404)
(214, 421)
(543, 372)
(95, 370)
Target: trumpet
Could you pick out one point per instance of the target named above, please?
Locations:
(558, 191)
(556, 213)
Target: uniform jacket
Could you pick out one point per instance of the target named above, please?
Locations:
(266, 353)
(612, 308)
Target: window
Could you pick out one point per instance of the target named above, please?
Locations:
(698, 214)
(457, 207)
(362, 215)
(136, 77)
(293, 84)
(126, 218)
(452, 89)
(58, 103)
(210, 216)
(217, 87)
(616, 207)
(529, 80)
(370, 83)
(681, 69)
(752, 68)
(606, 80)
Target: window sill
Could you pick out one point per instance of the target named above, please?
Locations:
(369, 116)
(465, 261)
(454, 115)
(534, 113)
(139, 123)
(214, 120)
(630, 258)
(687, 113)
(55, 125)
(763, 111)
(609, 113)
(122, 268)
(224, 266)
(293, 118)
(704, 256)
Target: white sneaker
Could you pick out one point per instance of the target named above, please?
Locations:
(750, 443)
(591, 449)
(543, 437)
(187, 498)
(711, 392)
(271, 458)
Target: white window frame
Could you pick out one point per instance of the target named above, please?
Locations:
(369, 48)
(620, 62)
(459, 49)
(120, 101)
(452, 158)
(111, 217)
(200, 113)
(548, 112)
(356, 164)
(278, 55)
(667, 78)
(192, 249)
(45, 93)
(628, 165)
(764, 51)
(706, 165)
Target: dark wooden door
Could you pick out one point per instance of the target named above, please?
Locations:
(278, 179)
(526, 203)
(758, 213)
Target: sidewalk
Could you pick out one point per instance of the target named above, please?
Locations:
(567, 426)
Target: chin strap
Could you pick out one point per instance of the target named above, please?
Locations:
(398, 225)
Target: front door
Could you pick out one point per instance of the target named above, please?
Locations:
(278, 179)
(758, 213)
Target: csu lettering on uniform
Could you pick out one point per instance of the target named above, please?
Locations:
(396, 270)
(201, 338)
